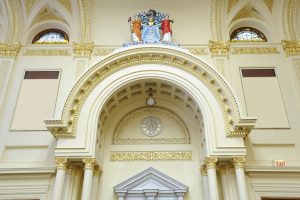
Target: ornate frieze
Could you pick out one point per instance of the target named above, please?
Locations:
(211, 162)
(239, 162)
(198, 51)
(10, 50)
(255, 50)
(62, 163)
(151, 155)
(243, 128)
(46, 52)
(83, 49)
(291, 47)
(103, 52)
(219, 48)
(60, 132)
(89, 163)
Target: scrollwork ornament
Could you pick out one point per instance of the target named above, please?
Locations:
(89, 163)
(62, 163)
(291, 47)
(238, 162)
(211, 162)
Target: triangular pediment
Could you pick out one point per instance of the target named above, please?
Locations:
(150, 179)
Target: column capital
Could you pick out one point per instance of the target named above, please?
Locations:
(62, 163)
(89, 163)
(83, 49)
(9, 49)
(219, 48)
(222, 168)
(97, 170)
(291, 47)
(203, 170)
(238, 162)
(211, 162)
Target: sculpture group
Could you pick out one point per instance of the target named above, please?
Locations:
(151, 27)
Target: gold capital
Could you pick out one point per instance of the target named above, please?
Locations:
(83, 49)
(219, 48)
(291, 47)
(11, 49)
(239, 162)
(62, 163)
(203, 170)
(97, 170)
(89, 163)
(211, 162)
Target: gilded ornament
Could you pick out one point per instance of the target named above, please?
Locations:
(255, 50)
(239, 162)
(60, 132)
(219, 48)
(10, 50)
(62, 163)
(203, 170)
(83, 49)
(150, 155)
(97, 170)
(291, 47)
(47, 14)
(89, 163)
(198, 51)
(240, 132)
(103, 52)
(210, 162)
(47, 52)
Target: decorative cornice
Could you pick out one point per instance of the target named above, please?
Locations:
(89, 163)
(198, 51)
(211, 162)
(291, 47)
(97, 170)
(62, 163)
(150, 155)
(238, 162)
(83, 49)
(103, 52)
(219, 48)
(255, 50)
(243, 128)
(10, 50)
(60, 132)
(203, 170)
(47, 52)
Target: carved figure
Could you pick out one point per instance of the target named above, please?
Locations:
(166, 29)
(136, 29)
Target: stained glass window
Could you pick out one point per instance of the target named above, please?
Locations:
(247, 34)
(51, 36)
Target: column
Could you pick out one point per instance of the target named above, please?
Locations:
(204, 181)
(212, 177)
(67, 184)
(89, 164)
(96, 174)
(224, 180)
(240, 177)
(62, 164)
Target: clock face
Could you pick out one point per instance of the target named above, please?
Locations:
(151, 126)
(150, 101)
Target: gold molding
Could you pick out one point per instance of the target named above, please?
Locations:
(198, 51)
(47, 52)
(238, 162)
(89, 163)
(103, 52)
(255, 50)
(210, 162)
(219, 48)
(203, 170)
(9, 49)
(150, 155)
(62, 163)
(97, 170)
(291, 47)
(83, 49)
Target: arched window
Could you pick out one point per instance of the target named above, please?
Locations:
(247, 34)
(51, 36)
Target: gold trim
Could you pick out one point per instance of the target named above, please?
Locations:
(203, 170)
(83, 49)
(291, 47)
(210, 162)
(103, 52)
(47, 52)
(255, 50)
(89, 163)
(10, 50)
(198, 51)
(238, 162)
(219, 48)
(97, 170)
(150, 155)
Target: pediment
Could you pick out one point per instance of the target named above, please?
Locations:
(151, 180)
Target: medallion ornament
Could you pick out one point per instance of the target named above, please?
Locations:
(291, 47)
(151, 126)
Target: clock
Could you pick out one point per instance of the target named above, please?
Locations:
(151, 126)
(150, 101)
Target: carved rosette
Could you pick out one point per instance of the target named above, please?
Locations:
(211, 162)
(62, 163)
(219, 48)
(203, 170)
(89, 163)
(10, 50)
(239, 162)
(291, 47)
(83, 49)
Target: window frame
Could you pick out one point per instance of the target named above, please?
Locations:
(251, 29)
(46, 31)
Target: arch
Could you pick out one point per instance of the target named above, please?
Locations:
(58, 32)
(217, 101)
(252, 31)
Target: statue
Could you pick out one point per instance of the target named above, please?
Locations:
(151, 27)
